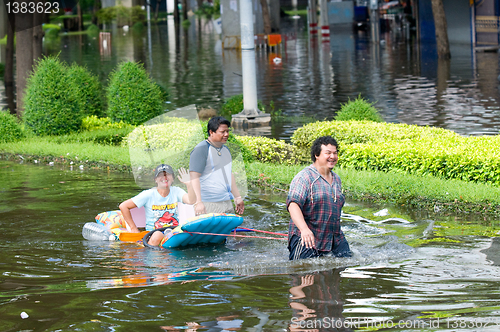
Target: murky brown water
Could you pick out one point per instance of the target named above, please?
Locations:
(65, 283)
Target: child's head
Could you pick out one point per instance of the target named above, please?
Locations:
(164, 175)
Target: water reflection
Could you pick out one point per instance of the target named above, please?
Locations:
(405, 80)
(322, 307)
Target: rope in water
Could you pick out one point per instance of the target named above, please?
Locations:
(235, 235)
(257, 230)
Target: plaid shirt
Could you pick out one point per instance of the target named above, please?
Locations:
(321, 204)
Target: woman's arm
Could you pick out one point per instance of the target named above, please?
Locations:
(125, 208)
(184, 177)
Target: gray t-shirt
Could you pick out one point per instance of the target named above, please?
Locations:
(214, 165)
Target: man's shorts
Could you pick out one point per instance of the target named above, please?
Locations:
(219, 207)
(298, 251)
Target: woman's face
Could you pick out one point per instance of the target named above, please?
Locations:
(164, 180)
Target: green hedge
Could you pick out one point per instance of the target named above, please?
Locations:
(51, 104)
(350, 132)
(268, 150)
(10, 128)
(132, 95)
(412, 149)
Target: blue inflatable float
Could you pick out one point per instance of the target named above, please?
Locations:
(211, 228)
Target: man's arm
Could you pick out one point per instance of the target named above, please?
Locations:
(307, 236)
(238, 201)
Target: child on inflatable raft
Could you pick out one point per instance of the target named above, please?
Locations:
(160, 202)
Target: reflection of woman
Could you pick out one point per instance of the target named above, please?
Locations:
(316, 302)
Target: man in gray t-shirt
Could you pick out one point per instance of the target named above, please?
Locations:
(211, 174)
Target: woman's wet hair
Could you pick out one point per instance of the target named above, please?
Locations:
(215, 122)
(323, 140)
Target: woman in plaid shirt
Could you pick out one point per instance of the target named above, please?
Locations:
(315, 202)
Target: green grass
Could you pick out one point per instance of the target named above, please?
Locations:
(426, 192)
(93, 155)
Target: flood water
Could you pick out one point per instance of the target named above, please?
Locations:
(65, 283)
(312, 79)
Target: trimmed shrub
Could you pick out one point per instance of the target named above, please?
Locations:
(51, 107)
(10, 128)
(186, 24)
(93, 30)
(88, 90)
(358, 109)
(51, 33)
(268, 150)
(132, 96)
(138, 28)
(95, 123)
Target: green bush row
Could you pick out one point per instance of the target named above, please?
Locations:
(350, 132)
(411, 149)
(58, 97)
(268, 150)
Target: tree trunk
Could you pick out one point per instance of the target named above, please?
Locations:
(24, 63)
(9, 65)
(157, 9)
(80, 16)
(97, 6)
(443, 47)
(184, 9)
(9, 52)
(37, 36)
(176, 12)
(265, 17)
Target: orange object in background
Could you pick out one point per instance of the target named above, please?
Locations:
(273, 39)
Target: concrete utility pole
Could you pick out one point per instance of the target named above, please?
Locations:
(374, 21)
(323, 21)
(250, 114)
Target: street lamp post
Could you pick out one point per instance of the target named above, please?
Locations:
(250, 114)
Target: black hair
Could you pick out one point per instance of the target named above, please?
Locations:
(215, 122)
(323, 140)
